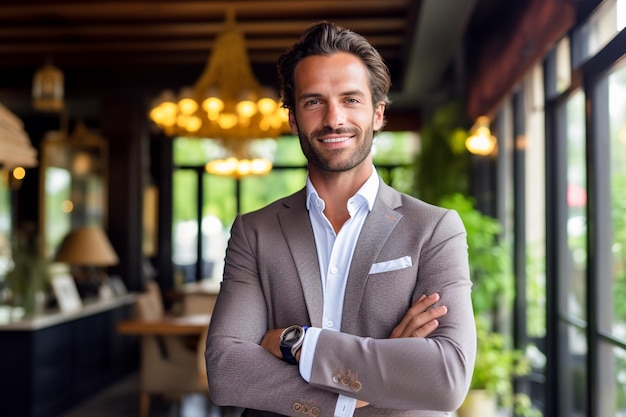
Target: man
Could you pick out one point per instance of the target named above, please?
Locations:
(329, 304)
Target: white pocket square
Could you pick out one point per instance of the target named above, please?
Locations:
(392, 265)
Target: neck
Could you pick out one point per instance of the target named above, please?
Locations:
(336, 188)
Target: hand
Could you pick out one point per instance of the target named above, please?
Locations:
(271, 343)
(420, 320)
(361, 403)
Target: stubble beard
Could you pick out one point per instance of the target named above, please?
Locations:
(332, 161)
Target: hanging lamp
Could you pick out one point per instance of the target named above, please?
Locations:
(226, 103)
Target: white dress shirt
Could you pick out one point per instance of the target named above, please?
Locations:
(335, 252)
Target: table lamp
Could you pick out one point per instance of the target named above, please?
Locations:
(87, 249)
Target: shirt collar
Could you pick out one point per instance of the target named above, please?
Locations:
(367, 192)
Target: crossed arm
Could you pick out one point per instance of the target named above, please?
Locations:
(419, 321)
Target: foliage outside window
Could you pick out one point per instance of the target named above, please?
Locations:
(617, 146)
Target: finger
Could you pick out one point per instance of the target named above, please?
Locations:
(422, 323)
(416, 308)
(426, 329)
(422, 304)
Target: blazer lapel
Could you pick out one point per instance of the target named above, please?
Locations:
(376, 230)
(296, 227)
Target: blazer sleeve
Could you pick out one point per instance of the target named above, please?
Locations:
(240, 372)
(430, 373)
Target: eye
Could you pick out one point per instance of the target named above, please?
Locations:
(311, 102)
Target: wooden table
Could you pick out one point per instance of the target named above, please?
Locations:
(157, 366)
(184, 325)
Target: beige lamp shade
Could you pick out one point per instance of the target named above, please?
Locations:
(87, 246)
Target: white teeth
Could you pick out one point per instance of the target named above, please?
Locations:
(333, 140)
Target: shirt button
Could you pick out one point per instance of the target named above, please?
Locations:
(329, 323)
(333, 270)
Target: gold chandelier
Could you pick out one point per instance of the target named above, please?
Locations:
(226, 103)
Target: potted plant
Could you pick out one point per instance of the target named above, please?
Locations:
(497, 364)
(492, 382)
(28, 276)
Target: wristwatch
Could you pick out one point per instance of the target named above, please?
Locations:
(291, 342)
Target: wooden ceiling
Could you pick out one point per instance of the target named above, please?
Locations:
(145, 46)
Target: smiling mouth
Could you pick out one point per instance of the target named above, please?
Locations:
(335, 140)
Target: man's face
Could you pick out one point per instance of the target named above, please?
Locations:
(333, 112)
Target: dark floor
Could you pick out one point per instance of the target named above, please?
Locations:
(122, 400)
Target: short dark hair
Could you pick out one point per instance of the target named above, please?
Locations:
(325, 38)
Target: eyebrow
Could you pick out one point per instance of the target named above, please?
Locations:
(348, 93)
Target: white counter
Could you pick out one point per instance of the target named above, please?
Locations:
(52, 318)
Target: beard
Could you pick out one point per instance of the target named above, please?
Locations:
(337, 160)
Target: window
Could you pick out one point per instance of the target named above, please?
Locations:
(5, 225)
(573, 277)
(206, 205)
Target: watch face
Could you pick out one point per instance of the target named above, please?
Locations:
(292, 336)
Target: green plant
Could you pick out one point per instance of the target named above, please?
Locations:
(497, 363)
(29, 274)
(496, 367)
(489, 257)
(442, 165)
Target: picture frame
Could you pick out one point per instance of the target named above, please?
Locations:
(66, 293)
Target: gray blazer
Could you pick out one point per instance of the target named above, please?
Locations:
(272, 280)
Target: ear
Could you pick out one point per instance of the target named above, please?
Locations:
(292, 122)
(379, 116)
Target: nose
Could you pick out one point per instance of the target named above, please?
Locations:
(334, 115)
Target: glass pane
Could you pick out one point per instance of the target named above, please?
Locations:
(257, 192)
(563, 65)
(620, 381)
(218, 213)
(535, 179)
(220, 199)
(5, 226)
(288, 152)
(576, 206)
(184, 225)
(402, 178)
(196, 152)
(214, 240)
(617, 152)
(58, 206)
(574, 388)
(603, 25)
(611, 380)
(394, 148)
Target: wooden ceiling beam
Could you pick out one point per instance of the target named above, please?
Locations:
(161, 45)
(168, 10)
(108, 31)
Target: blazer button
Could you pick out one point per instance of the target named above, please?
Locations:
(356, 386)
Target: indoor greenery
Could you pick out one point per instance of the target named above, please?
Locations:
(442, 165)
(497, 363)
(29, 275)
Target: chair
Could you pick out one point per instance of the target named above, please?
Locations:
(169, 364)
(199, 303)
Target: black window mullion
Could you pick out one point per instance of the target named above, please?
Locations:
(199, 204)
(599, 272)
(556, 255)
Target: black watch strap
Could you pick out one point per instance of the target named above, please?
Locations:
(290, 347)
(287, 355)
